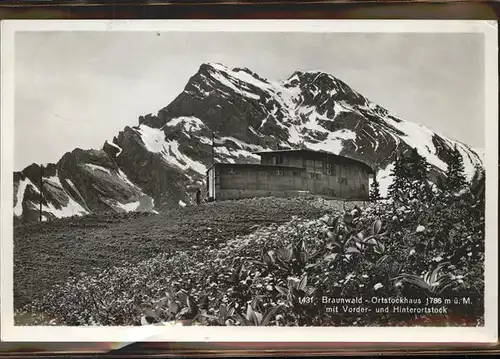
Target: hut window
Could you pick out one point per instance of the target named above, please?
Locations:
(279, 160)
(331, 192)
(343, 180)
(232, 170)
(329, 170)
(296, 174)
(314, 176)
(279, 173)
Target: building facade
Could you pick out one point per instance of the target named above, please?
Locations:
(291, 173)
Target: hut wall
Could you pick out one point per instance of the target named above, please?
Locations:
(322, 175)
(261, 179)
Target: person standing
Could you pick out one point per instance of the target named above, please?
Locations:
(198, 196)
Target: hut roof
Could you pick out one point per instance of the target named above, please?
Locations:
(338, 157)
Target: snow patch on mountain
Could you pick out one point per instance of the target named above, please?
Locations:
(73, 208)
(54, 180)
(313, 124)
(385, 179)
(21, 189)
(339, 107)
(287, 96)
(373, 140)
(98, 168)
(72, 185)
(125, 179)
(233, 155)
(228, 79)
(204, 140)
(294, 135)
(189, 163)
(241, 144)
(115, 146)
(241, 83)
(243, 151)
(128, 207)
(419, 137)
(154, 140)
(334, 143)
(189, 124)
(240, 75)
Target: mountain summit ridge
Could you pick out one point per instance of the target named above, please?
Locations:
(163, 159)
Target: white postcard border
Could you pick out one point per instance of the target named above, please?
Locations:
(485, 334)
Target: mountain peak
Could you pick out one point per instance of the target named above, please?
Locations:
(317, 78)
(169, 152)
(221, 72)
(319, 87)
(309, 75)
(213, 66)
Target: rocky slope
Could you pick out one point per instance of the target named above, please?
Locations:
(160, 162)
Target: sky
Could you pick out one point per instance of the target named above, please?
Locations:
(79, 89)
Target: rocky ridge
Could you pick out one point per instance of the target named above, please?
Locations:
(161, 161)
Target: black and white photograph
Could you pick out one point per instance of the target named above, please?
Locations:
(250, 174)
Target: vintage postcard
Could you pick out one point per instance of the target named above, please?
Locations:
(249, 181)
